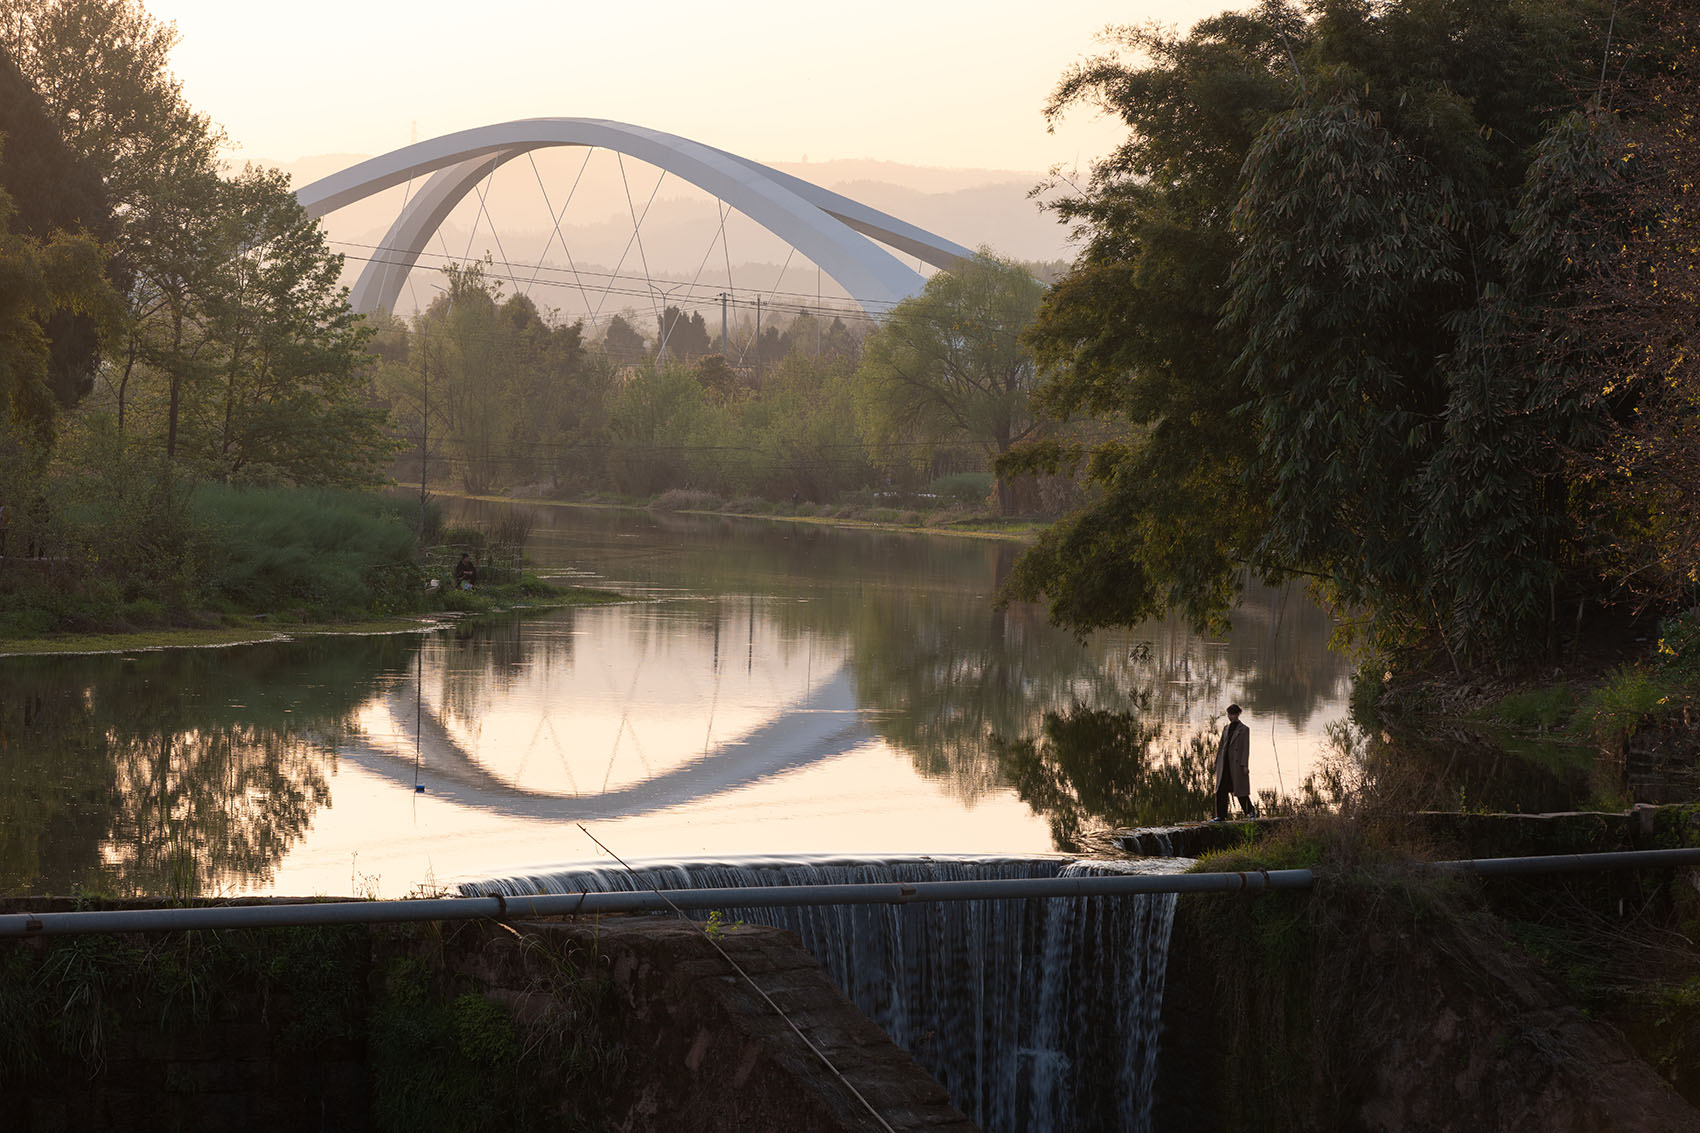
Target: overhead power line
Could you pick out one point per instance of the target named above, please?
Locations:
(576, 277)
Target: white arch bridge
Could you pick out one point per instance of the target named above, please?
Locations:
(837, 233)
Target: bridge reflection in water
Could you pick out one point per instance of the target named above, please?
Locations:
(418, 749)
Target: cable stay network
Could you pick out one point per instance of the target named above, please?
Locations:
(656, 270)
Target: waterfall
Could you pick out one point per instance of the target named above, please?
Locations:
(1037, 1015)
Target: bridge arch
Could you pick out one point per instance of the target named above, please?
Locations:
(837, 233)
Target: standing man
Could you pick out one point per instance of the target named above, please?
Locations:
(1233, 766)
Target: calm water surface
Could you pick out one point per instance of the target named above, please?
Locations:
(778, 688)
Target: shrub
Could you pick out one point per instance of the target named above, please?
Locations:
(1679, 643)
(144, 612)
(1628, 698)
(1538, 709)
(461, 537)
(686, 499)
(963, 488)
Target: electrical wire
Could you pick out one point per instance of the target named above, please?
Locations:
(797, 300)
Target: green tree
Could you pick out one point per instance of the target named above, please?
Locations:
(655, 425)
(949, 367)
(717, 377)
(1623, 180)
(101, 67)
(288, 399)
(1296, 315)
(53, 191)
(786, 438)
(101, 70)
(39, 280)
(513, 396)
(684, 337)
(622, 343)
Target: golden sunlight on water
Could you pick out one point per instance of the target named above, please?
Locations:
(779, 690)
(869, 800)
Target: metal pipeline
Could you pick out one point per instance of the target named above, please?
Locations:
(1569, 863)
(561, 904)
(883, 893)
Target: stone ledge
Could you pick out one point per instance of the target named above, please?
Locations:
(1643, 827)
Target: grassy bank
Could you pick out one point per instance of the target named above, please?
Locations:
(247, 630)
(910, 512)
(235, 565)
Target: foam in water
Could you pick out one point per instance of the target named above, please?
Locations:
(1037, 1015)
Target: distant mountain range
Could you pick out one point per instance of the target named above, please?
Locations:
(686, 249)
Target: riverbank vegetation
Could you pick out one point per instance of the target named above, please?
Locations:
(388, 1029)
(1390, 298)
(1334, 986)
(184, 434)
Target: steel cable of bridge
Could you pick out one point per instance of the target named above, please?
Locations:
(558, 217)
(720, 234)
(637, 227)
(484, 210)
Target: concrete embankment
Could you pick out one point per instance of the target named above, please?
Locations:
(1421, 1022)
(632, 1023)
(1392, 996)
(1466, 834)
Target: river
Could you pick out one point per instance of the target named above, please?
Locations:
(773, 688)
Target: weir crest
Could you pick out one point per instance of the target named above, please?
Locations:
(1037, 1015)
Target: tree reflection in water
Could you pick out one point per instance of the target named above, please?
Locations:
(1092, 766)
(1449, 767)
(1116, 730)
(181, 772)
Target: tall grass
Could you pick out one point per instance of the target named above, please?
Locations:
(324, 553)
(1625, 701)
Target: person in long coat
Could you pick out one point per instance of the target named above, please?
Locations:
(1233, 766)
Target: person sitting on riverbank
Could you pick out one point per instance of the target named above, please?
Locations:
(466, 572)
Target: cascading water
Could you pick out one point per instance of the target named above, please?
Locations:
(1037, 1015)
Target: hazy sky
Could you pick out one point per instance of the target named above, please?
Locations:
(931, 82)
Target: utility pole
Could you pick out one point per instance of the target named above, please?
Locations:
(723, 297)
(424, 430)
(758, 340)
